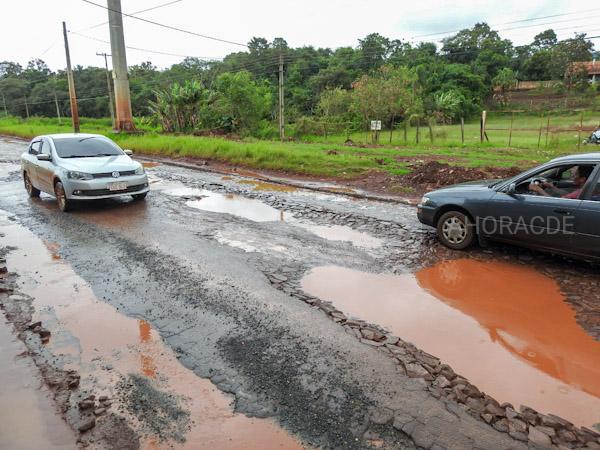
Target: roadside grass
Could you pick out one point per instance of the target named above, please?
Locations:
(498, 126)
(328, 157)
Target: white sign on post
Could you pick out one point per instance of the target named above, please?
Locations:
(375, 125)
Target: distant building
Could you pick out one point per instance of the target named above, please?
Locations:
(591, 67)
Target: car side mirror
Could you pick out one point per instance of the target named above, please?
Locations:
(128, 152)
(512, 189)
(44, 157)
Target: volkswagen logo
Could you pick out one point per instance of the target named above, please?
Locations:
(116, 174)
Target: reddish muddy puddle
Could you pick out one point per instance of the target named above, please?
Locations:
(150, 164)
(257, 211)
(506, 328)
(103, 346)
(28, 418)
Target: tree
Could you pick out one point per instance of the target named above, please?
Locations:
(569, 51)
(448, 105)
(241, 101)
(544, 40)
(374, 50)
(503, 83)
(177, 109)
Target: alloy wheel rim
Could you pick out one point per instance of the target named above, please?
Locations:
(454, 230)
(28, 184)
(60, 196)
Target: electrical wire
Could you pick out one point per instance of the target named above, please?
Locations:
(193, 33)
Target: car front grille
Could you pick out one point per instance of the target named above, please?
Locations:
(123, 173)
(99, 192)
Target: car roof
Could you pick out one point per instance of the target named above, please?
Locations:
(70, 135)
(592, 157)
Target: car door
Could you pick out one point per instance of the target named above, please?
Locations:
(45, 169)
(587, 223)
(535, 220)
(545, 222)
(30, 161)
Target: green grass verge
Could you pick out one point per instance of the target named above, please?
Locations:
(328, 158)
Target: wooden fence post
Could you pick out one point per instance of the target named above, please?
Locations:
(462, 130)
(541, 127)
(512, 119)
(418, 129)
(430, 130)
(579, 133)
(547, 130)
(483, 134)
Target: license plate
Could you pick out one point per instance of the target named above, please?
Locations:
(119, 186)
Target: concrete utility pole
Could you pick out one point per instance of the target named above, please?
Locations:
(281, 106)
(119, 63)
(72, 94)
(110, 96)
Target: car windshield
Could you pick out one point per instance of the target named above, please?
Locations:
(86, 147)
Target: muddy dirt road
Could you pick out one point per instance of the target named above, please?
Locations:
(226, 313)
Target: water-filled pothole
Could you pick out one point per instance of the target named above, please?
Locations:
(105, 346)
(506, 328)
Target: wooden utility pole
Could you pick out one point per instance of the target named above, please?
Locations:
(124, 118)
(57, 108)
(281, 104)
(56, 102)
(72, 94)
(109, 88)
(26, 106)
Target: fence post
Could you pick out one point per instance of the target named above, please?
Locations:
(512, 119)
(482, 132)
(547, 130)
(430, 130)
(579, 133)
(418, 129)
(462, 130)
(541, 127)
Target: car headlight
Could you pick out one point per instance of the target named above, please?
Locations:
(425, 200)
(74, 175)
(140, 170)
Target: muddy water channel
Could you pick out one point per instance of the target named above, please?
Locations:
(506, 328)
(125, 359)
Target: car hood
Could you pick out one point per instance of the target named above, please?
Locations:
(99, 164)
(467, 187)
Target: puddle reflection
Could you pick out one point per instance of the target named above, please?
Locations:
(506, 328)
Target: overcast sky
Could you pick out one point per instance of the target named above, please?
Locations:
(32, 28)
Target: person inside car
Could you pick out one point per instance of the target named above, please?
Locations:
(549, 190)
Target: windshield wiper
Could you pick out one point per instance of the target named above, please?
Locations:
(86, 138)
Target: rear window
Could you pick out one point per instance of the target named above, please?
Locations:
(86, 147)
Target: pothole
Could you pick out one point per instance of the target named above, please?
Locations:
(505, 328)
(107, 349)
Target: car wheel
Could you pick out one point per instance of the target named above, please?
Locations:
(64, 204)
(139, 196)
(455, 230)
(31, 190)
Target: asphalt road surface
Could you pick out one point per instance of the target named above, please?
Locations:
(193, 319)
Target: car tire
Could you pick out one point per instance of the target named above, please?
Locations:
(32, 191)
(139, 196)
(455, 230)
(64, 204)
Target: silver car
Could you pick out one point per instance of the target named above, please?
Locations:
(81, 167)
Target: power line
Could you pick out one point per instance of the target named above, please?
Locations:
(193, 33)
(158, 52)
(162, 5)
(531, 19)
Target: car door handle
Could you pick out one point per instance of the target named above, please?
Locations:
(564, 212)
